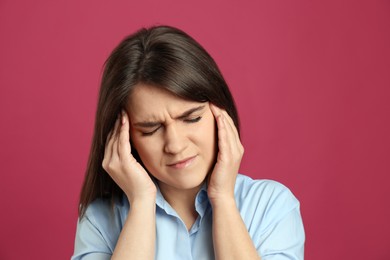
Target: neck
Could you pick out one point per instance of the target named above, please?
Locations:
(182, 201)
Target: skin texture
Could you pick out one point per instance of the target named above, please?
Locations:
(164, 135)
(176, 141)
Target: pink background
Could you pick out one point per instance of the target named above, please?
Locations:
(311, 81)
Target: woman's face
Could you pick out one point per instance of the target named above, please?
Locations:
(175, 138)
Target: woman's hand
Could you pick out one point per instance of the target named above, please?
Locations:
(223, 178)
(230, 236)
(123, 168)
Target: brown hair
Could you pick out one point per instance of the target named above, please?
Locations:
(161, 56)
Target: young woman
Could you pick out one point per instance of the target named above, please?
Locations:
(162, 179)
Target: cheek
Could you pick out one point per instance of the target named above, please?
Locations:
(142, 148)
(206, 135)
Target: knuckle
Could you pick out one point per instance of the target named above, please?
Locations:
(111, 166)
(104, 164)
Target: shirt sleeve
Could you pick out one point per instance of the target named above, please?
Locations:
(284, 240)
(90, 243)
(281, 236)
(272, 215)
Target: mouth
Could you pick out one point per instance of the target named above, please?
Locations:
(182, 163)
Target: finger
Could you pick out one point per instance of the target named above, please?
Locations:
(232, 132)
(108, 150)
(230, 135)
(231, 122)
(218, 111)
(114, 139)
(233, 138)
(223, 144)
(124, 136)
(239, 147)
(225, 133)
(232, 127)
(215, 110)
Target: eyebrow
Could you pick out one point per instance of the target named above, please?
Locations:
(151, 124)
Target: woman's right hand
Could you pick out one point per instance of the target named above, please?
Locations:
(121, 165)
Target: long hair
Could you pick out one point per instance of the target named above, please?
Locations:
(161, 56)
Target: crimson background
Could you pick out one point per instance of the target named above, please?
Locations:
(311, 81)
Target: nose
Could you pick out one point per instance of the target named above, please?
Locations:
(175, 141)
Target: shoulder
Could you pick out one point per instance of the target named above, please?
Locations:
(267, 199)
(104, 209)
(106, 217)
(246, 186)
(98, 230)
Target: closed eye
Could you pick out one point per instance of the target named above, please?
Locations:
(187, 120)
(151, 132)
(193, 120)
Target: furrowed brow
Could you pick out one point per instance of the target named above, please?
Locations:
(190, 111)
(151, 124)
(147, 124)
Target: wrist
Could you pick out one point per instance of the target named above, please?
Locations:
(226, 201)
(142, 200)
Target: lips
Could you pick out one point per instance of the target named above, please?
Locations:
(182, 163)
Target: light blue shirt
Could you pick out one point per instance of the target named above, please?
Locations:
(269, 210)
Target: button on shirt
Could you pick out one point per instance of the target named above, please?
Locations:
(268, 209)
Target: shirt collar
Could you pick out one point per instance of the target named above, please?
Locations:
(201, 201)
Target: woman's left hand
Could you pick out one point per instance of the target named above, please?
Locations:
(230, 151)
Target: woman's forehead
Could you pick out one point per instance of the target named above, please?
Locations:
(150, 102)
